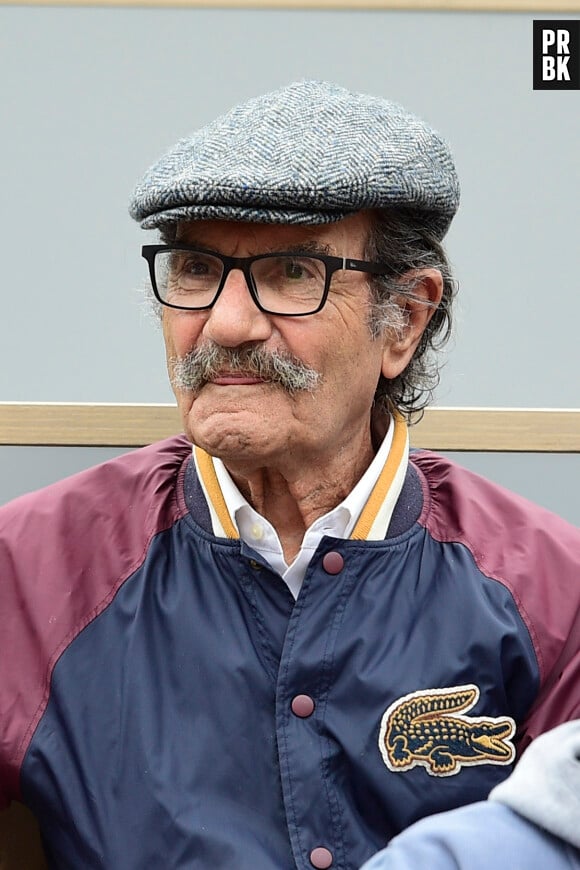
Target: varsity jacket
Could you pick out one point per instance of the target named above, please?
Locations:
(165, 703)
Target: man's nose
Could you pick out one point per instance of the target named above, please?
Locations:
(235, 317)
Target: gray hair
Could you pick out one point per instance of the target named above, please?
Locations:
(404, 241)
(203, 363)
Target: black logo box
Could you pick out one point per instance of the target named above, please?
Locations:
(560, 42)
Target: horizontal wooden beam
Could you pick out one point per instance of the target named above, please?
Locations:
(446, 5)
(512, 430)
(525, 430)
(88, 425)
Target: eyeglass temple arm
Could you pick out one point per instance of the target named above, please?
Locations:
(378, 269)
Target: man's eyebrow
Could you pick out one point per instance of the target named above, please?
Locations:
(312, 247)
(309, 248)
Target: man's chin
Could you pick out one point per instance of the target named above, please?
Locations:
(240, 421)
(218, 399)
(237, 448)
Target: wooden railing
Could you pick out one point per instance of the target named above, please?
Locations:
(528, 430)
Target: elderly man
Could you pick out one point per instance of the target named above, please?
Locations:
(282, 648)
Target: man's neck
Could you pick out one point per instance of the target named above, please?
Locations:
(292, 498)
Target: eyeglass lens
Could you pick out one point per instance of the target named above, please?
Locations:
(283, 284)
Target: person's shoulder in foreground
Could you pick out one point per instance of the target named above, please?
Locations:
(530, 821)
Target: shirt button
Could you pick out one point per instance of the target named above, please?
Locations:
(303, 706)
(333, 563)
(257, 532)
(321, 858)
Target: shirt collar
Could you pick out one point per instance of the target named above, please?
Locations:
(364, 514)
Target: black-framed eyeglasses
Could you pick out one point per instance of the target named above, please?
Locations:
(283, 283)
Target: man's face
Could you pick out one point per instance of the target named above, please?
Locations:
(252, 422)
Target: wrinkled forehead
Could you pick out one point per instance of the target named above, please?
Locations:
(346, 237)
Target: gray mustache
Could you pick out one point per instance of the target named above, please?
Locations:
(204, 363)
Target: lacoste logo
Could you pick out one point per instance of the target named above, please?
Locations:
(429, 728)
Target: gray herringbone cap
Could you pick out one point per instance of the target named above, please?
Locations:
(310, 153)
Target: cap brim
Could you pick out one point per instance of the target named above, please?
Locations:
(242, 213)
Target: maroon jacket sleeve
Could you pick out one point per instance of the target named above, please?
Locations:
(532, 552)
(64, 552)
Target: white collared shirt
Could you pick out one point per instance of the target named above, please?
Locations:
(372, 500)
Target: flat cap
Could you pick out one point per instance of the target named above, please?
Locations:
(309, 153)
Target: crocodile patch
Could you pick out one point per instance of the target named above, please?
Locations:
(429, 728)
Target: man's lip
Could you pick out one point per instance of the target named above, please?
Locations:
(237, 380)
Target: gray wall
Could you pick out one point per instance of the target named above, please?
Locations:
(92, 96)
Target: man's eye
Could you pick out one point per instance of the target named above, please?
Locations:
(195, 266)
(301, 269)
(294, 269)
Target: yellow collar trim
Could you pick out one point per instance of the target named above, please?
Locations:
(379, 492)
(369, 512)
(213, 489)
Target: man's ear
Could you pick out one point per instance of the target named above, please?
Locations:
(419, 306)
